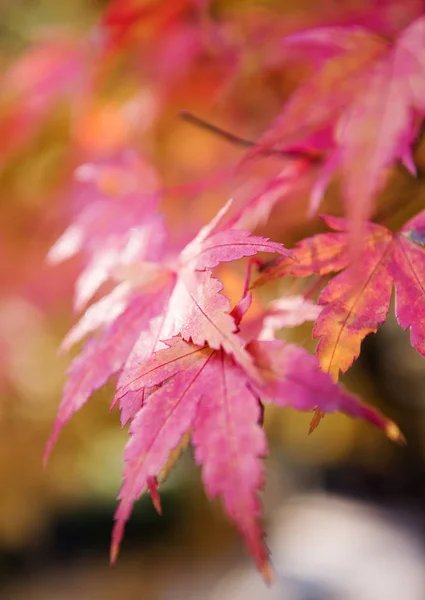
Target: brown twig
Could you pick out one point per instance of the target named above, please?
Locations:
(244, 143)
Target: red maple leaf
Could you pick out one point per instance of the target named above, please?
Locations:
(203, 390)
(361, 108)
(357, 300)
(161, 299)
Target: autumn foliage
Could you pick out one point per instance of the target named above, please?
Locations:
(154, 314)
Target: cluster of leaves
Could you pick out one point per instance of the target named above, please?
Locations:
(185, 359)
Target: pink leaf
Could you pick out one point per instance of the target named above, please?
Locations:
(206, 390)
(356, 301)
(318, 103)
(226, 246)
(369, 94)
(115, 227)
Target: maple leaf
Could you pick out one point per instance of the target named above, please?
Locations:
(204, 390)
(357, 300)
(112, 234)
(362, 107)
(152, 301)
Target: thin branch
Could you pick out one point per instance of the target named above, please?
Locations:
(244, 143)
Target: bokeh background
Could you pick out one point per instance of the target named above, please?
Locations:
(344, 508)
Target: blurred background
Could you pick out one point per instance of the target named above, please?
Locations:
(344, 508)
